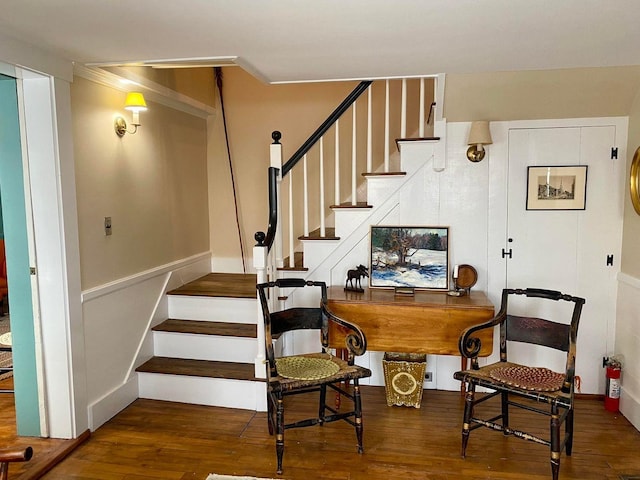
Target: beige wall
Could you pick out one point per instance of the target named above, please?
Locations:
(628, 314)
(253, 111)
(631, 232)
(541, 94)
(152, 184)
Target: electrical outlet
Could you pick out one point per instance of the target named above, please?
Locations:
(428, 376)
(107, 225)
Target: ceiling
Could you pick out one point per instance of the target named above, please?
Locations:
(310, 40)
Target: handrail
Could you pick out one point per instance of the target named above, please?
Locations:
(261, 238)
(322, 129)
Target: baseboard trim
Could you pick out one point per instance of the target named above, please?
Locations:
(630, 408)
(112, 403)
(589, 396)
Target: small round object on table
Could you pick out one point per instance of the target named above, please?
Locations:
(467, 276)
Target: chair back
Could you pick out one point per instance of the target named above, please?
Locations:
(296, 318)
(539, 331)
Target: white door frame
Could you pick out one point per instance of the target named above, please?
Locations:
(48, 160)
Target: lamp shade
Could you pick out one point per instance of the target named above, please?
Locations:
(480, 133)
(135, 102)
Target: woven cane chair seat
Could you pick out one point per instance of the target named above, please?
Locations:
(536, 379)
(306, 368)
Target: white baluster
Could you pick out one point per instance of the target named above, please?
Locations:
(421, 118)
(354, 148)
(336, 198)
(322, 223)
(369, 130)
(292, 262)
(386, 126)
(305, 194)
(403, 113)
(260, 265)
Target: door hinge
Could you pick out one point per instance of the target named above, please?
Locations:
(507, 253)
(32, 270)
(614, 153)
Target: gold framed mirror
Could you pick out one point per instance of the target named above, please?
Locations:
(634, 181)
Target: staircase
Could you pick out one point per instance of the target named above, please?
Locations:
(208, 351)
(204, 353)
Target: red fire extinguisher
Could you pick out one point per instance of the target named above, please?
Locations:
(612, 393)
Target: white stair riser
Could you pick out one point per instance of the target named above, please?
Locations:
(219, 392)
(204, 347)
(379, 188)
(346, 218)
(414, 155)
(316, 250)
(213, 309)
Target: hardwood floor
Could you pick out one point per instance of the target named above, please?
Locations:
(47, 451)
(161, 440)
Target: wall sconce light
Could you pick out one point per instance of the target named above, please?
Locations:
(136, 104)
(479, 136)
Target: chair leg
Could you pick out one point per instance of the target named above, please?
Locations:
(555, 442)
(357, 403)
(322, 404)
(569, 431)
(504, 398)
(468, 413)
(279, 432)
(270, 413)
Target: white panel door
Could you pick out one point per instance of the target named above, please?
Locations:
(567, 250)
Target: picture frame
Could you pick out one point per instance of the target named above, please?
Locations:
(557, 187)
(415, 257)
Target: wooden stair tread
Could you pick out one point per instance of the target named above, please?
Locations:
(417, 139)
(329, 234)
(384, 174)
(298, 262)
(350, 205)
(199, 368)
(199, 327)
(234, 285)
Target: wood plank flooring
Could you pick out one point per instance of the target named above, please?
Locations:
(161, 440)
(46, 451)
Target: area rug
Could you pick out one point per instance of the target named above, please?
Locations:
(213, 476)
(5, 341)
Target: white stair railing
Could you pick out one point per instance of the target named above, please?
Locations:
(397, 108)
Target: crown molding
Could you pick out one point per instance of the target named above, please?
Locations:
(122, 79)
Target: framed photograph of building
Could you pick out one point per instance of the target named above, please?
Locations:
(409, 257)
(557, 187)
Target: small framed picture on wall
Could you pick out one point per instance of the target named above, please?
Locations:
(557, 187)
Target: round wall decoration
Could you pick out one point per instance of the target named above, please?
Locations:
(634, 181)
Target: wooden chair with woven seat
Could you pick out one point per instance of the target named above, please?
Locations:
(314, 372)
(521, 385)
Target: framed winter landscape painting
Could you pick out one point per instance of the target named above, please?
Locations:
(409, 257)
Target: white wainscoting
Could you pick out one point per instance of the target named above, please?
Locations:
(628, 344)
(117, 321)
